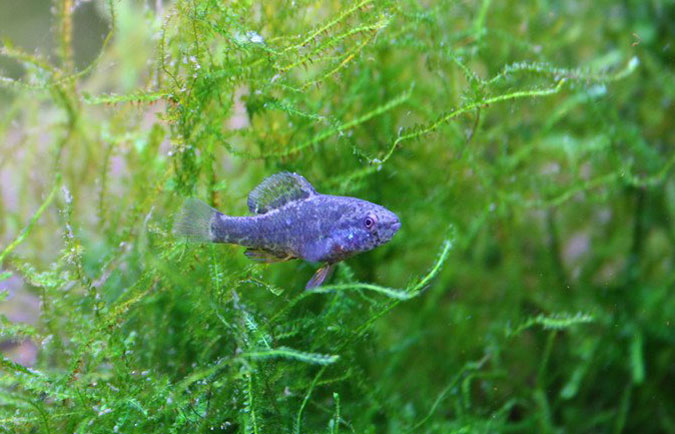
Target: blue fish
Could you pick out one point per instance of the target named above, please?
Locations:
(292, 221)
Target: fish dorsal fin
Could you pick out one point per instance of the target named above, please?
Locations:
(277, 190)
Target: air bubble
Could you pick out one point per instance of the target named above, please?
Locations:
(254, 37)
(66, 195)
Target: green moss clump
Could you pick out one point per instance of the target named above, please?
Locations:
(526, 146)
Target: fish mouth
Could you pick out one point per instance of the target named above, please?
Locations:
(388, 232)
(396, 226)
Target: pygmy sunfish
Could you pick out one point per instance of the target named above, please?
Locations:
(293, 221)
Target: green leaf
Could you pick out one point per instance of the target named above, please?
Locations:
(557, 321)
(290, 353)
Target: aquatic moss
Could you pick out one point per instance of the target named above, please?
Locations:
(526, 147)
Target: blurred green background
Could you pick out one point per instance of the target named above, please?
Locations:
(526, 146)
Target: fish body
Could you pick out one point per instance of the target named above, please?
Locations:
(293, 221)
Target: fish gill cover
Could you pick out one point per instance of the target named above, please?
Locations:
(527, 148)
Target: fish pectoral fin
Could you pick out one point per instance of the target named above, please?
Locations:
(321, 275)
(267, 256)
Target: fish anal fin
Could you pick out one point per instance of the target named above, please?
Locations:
(267, 256)
(278, 190)
(321, 275)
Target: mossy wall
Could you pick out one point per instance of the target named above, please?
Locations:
(526, 146)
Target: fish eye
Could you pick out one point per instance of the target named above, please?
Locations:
(369, 222)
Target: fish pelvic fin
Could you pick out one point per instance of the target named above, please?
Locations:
(194, 221)
(321, 275)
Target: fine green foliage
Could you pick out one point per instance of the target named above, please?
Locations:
(527, 148)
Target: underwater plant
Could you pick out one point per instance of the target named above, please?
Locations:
(526, 147)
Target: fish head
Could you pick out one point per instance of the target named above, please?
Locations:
(368, 225)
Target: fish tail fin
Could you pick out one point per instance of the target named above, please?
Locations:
(194, 221)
